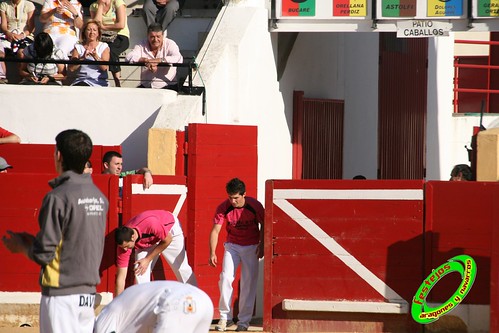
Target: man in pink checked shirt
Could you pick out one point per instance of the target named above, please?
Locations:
(151, 233)
(156, 49)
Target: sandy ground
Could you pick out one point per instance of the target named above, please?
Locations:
(257, 328)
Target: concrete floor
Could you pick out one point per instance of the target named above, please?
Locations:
(256, 327)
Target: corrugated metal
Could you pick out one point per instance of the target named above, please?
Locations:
(322, 141)
(402, 107)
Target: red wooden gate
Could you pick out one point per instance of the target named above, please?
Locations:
(216, 153)
(342, 255)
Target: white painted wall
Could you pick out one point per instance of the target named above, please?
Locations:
(361, 105)
(236, 65)
(109, 116)
(447, 133)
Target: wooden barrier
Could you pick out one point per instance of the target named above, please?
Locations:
(349, 256)
(167, 193)
(213, 159)
(460, 218)
(39, 158)
(19, 212)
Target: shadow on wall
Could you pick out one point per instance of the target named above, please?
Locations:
(418, 267)
(135, 146)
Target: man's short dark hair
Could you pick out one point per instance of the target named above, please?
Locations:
(75, 148)
(108, 156)
(43, 45)
(235, 186)
(465, 171)
(123, 234)
(154, 27)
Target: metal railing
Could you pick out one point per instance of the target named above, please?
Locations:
(190, 64)
(485, 92)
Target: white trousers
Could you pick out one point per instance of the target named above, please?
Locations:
(174, 255)
(179, 314)
(68, 314)
(64, 42)
(233, 256)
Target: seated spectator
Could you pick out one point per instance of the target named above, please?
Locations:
(111, 15)
(18, 24)
(112, 163)
(8, 137)
(62, 19)
(3, 69)
(156, 49)
(42, 73)
(88, 168)
(4, 165)
(90, 48)
(159, 11)
(461, 172)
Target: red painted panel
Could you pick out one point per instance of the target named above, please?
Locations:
(461, 227)
(39, 158)
(181, 154)
(109, 185)
(494, 268)
(385, 236)
(19, 212)
(133, 204)
(216, 153)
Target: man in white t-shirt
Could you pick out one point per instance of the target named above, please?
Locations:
(158, 306)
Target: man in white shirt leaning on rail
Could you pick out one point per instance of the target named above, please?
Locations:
(156, 49)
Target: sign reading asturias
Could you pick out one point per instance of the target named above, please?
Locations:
(298, 7)
(438, 8)
(488, 8)
(398, 8)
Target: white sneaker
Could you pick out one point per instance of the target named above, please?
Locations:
(223, 324)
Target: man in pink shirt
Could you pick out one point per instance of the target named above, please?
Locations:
(156, 49)
(244, 223)
(151, 233)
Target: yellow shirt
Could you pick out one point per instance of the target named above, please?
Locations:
(17, 22)
(110, 17)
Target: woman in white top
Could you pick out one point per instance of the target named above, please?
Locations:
(90, 48)
(18, 22)
(62, 19)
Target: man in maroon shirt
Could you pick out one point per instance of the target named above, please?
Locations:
(244, 223)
